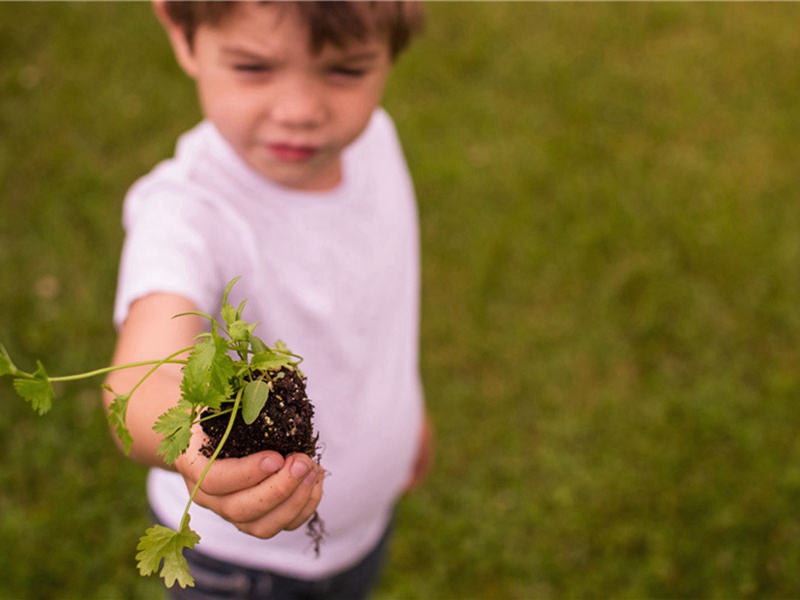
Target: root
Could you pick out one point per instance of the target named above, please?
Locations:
(315, 529)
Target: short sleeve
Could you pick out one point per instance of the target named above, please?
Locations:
(166, 249)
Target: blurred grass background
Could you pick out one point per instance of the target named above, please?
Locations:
(611, 337)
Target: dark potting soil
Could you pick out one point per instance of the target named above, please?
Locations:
(285, 424)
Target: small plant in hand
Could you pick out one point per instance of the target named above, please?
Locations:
(245, 395)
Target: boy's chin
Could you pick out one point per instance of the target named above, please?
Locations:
(306, 180)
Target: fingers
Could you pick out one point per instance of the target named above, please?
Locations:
(293, 513)
(311, 506)
(284, 500)
(262, 494)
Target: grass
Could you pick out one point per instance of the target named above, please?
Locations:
(610, 325)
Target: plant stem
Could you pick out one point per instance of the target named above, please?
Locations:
(168, 360)
(217, 450)
(105, 370)
(215, 415)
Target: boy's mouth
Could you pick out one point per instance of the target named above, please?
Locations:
(291, 153)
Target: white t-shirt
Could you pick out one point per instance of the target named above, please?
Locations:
(335, 275)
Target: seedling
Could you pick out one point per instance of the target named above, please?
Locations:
(229, 372)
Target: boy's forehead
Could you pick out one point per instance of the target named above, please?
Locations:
(321, 31)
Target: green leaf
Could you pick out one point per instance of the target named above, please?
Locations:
(253, 400)
(258, 345)
(6, 366)
(176, 427)
(240, 309)
(280, 346)
(161, 544)
(201, 394)
(240, 331)
(208, 366)
(228, 313)
(228, 289)
(196, 313)
(116, 418)
(198, 365)
(270, 361)
(38, 390)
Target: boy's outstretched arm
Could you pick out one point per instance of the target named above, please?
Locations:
(151, 332)
(261, 494)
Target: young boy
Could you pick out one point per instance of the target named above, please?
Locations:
(295, 181)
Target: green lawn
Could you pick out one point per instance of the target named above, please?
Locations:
(611, 326)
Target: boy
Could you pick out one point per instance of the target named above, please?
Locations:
(295, 181)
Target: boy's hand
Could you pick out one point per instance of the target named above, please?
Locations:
(262, 494)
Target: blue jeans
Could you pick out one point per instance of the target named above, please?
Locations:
(215, 580)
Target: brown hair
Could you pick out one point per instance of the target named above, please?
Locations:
(329, 22)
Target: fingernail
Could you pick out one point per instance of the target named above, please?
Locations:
(310, 479)
(299, 469)
(270, 465)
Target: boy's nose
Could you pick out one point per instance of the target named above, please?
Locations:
(298, 107)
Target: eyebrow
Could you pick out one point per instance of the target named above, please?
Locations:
(366, 55)
(357, 56)
(240, 53)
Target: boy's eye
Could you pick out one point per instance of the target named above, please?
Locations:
(348, 72)
(252, 68)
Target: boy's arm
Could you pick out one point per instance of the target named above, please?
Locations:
(424, 455)
(150, 333)
(261, 494)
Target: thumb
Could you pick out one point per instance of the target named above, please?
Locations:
(228, 475)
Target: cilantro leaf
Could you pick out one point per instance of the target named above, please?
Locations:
(116, 418)
(160, 545)
(176, 427)
(257, 344)
(201, 394)
(198, 365)
(253, 400)
(228, 289)
(228, 313)
(280, 346)
(240, 331)
(209, 365)
(38, 390)
(270, 361)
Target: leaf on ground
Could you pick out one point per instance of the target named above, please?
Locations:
(176, 427)
(253, 400)
(160, 545)
(38, 391)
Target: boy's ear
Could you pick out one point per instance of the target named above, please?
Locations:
(183, 50)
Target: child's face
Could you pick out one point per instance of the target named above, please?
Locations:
(287, 112)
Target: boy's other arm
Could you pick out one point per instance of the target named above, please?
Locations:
(261, 494)
(424, 455)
